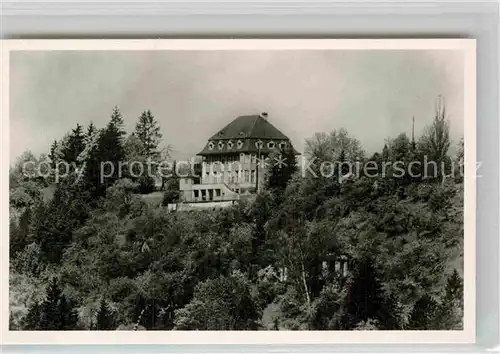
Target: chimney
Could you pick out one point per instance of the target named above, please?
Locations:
(264, 115)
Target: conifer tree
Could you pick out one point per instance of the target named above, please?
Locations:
(423, 315)
(53, 154)
(111, 147)
(283, 166)
(55, 313)
(366, 300)
(91, 129)
(75, 144)
(449, 315)
(31, 320)
(147, 130)
(105, 319)
(385, 153)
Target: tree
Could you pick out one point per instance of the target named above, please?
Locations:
(53, 154)
(111, 147)
(222, 303)
(435, 141)
(55, 313)
(172, 192)
(105, 319)
(91, 130)
(423, 315)
(283, 167)
(450, 310)
(327, 147)
(400, 148)
(75, 144)
(148, 132)
(366, 300)
(138, 170)
(385, 153)
(120, 197)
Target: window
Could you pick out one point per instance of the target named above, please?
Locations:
(252, 176)
(247, 176)
(282, 145)
(254, 158)
(196, 193)
(239, 144)
(271, 145)
(211, 145)
(220, 145)
(259, 144)
(217, 192)
(230, 144)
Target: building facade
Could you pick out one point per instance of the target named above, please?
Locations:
(232, 161)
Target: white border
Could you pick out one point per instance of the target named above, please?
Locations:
(467, 335)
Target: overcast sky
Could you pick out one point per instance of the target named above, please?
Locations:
(373, 94)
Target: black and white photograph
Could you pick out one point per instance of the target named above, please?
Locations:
(251, 188)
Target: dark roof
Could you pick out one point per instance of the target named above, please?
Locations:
(249, 130)
(252, 126)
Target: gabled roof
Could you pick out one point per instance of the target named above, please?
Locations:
(250, 126)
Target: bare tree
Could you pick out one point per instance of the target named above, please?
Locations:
(435, 141)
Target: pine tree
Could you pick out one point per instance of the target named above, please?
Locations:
(91, 129)
(283, 166)
(53, 154)
(385, 153)
(105, 319)
(423, 315)
(147, 130)
(366, 300)
(111, 149)
(31, 321)
(75, 144)
(55, 313)
(450, 311)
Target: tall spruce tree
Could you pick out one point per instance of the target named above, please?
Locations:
(111, 149)
(53, 154)
(55, 313)
(91, 129)
(147, 130)
(366, 299)
(450, 310)
(75, 144)
(423, 315)
(105, 320)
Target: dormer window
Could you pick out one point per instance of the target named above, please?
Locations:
(259, 144)
(271, 145)
(230, 144)
(211, 145)
(282, 145)
(220, 145)
(239, 144)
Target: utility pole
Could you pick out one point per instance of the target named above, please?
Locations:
(257, 171)
(413, 134)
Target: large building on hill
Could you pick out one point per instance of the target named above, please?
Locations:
(230, 165)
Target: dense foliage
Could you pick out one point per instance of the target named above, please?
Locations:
(342, 251)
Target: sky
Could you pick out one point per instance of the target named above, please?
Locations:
(193, 94)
